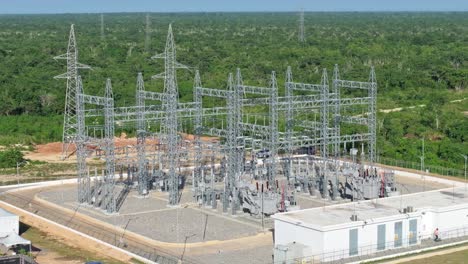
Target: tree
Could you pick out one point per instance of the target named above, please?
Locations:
(10, 157)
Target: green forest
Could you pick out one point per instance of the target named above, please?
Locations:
(421, 59)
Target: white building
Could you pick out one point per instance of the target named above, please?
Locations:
(360, 228)
(9, 223)
(9, 230)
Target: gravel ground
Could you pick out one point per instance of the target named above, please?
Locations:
(152, 217)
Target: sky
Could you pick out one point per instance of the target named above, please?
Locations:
(105, 6)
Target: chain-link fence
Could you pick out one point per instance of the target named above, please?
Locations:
(417, 166)
(108, 235)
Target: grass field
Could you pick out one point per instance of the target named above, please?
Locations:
(459, 257)
(52, 250)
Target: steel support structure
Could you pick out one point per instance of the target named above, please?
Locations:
(70, 123)
(84, 187)
(143, 177)
(301, 27)
(336, 110)
(198, 132)
(273, 136)
(109, 179)
(236, 128)
(289, 122)
(372, 117)
(170, 122)
(147, 33)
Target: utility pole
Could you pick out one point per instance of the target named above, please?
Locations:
(422, 166)
(465, 157)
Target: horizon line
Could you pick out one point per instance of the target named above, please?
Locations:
(253, 11)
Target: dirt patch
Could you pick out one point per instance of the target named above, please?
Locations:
(52, 152)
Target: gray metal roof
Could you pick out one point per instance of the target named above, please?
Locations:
(5, 213)
(329, 217)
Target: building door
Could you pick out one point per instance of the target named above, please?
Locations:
(353, 242)
(398, 242)
(413, 231)
(381, 237)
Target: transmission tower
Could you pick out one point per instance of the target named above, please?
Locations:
(109, 178)
(273, 118)
(324, 114)
(198, 131)
(372, 117)
(289, 121)
(84, 184)
(141, 137)
(170, 123)
(147, 33)
(70, 118)
(231, 146)
(301, 26)
(102, 26)
(336, 110)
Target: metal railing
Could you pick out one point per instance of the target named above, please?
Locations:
(388, 248)
(17, 259)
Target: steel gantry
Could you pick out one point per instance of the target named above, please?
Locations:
(242, 133)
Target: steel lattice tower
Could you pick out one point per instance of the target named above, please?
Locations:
(147, 33)
(372, 117)
(324, 127)
(301, 26)
(273, 118)
(170, 123)
(109, 178)
(141, 137)
(198, 131)
(324, 114)
(102, 26)
(231, 144)
(289, 122)
(238, 96)
(84, 188)
(336, 110)
(70, 118)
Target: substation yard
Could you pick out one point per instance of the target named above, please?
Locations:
(191, 232)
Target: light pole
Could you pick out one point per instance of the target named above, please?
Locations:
(185, 246)
(125, 229)
(17, 169)
(465, 157)
(422, 167)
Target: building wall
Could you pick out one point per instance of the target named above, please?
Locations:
(9, 224)
(287, 233)
(427, 226)
(449, 220)
(336, 242)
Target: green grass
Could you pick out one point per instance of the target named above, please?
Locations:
(40, 240)
(457, 257)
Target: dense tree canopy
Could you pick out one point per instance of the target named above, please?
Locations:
(420, 58)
